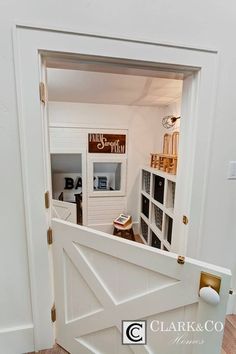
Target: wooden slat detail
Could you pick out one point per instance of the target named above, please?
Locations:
(105, 210)
(63, 140)
(110, 266)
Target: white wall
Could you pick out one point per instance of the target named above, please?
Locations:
(144, 127)
(174, 109)
(58, 186)
(209, 24)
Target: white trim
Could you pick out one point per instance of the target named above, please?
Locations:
(104, 158)
(42, 27)
(90, 126)
(209, 146)
(34, 289)
(17, 339)
(27, 43)
(231, 308)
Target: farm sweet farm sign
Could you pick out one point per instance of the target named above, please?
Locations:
(107, 143)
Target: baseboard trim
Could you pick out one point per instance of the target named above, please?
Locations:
(17, 340)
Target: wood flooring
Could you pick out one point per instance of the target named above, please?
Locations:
(229, 341)
(55, 350)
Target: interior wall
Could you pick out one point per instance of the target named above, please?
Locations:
(66, 166)
(174, 109)
(144, 134)
(58, 186)
(208, 24)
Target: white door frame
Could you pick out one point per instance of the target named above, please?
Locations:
(29, 44)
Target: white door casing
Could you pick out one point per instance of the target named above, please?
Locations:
(30, 44)
(101, 280)
(184, 180)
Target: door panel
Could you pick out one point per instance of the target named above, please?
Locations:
(101, 280)
(64, 210)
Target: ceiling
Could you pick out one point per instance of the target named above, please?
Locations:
(111, 88)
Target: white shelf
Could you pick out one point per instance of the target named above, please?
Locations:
(168, 211)
(143, 239)
(157, 172)
(166, 244)
(145, 194)
(156, 231)
(166, 208)
(144, 218)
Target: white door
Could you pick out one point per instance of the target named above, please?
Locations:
(64, 210)
(101, 280)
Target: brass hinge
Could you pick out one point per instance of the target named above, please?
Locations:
(49, 236)
(42, 92)
(181, 259)
(47, 200)
(185, 220)
(53, 313)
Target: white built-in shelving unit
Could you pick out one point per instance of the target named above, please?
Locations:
(157, 204)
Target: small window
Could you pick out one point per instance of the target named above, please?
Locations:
(107, 178)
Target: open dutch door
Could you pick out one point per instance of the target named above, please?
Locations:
(101, 280)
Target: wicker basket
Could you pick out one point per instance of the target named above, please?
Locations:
(158, 216)
(144, 229)
(146, 181)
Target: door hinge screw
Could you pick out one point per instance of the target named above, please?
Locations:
(181, 259)
(53, 313)
(42, 92)
(49, 236)
(47, 200)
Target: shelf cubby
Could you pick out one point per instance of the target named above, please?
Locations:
(158, 188)
(168, 229)
(144, 229)
(170, 195)
(145, 206)
(157, 217)
(146, 181)
(165, 249)
(155, 240)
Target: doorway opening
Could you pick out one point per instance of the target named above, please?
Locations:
(63, 50)
(67, 196)
(125, 121)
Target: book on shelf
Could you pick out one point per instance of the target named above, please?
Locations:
(122, 220)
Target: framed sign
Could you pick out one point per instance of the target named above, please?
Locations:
(107, 143)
